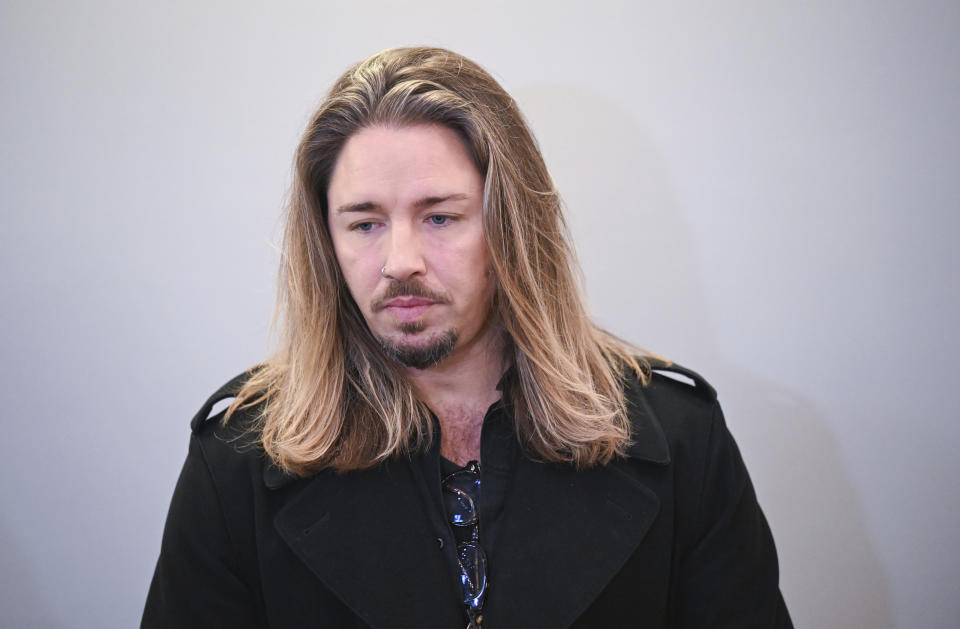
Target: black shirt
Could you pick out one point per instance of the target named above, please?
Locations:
(498, 456)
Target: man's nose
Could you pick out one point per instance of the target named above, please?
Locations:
(404, 256)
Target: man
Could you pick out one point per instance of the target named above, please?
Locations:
(443, 438)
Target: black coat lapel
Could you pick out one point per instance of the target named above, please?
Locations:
(365, 535)
(567, 533)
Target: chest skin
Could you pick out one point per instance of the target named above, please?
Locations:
(461, 428)
(460, 439)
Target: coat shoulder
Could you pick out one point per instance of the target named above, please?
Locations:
(229, 448)
(680, 380)
(676, 393)
(674, 409)
(671, 391)
(205, 416)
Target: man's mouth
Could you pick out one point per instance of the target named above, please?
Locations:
(407, 307)
(407, 301)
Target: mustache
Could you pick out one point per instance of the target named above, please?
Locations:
(407, 288)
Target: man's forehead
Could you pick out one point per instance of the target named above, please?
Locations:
(374, 146)
(418, 165)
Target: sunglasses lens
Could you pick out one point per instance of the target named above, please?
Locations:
(461, 509)
(461, 497)
(467, 482)
(473, 574)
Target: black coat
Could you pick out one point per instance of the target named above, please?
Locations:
(670, 536)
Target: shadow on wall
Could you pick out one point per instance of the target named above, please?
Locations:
(643, 273)
(830, 572)
(20, 603)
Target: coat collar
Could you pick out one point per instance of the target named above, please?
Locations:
(648, 441)
(366, 535)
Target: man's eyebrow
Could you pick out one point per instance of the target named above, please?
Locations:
(431, 201)
(426, 202)
(364, 206)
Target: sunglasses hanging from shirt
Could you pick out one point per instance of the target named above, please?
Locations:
(461, 498)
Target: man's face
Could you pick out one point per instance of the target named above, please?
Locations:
(405, 218)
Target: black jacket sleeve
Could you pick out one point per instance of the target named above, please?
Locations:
(730, 571)
(197, 581)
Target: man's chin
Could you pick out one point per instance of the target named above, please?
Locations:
(420, 354)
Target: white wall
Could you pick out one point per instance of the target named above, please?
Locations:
(766, 192)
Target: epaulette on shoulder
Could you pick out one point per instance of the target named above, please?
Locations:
(691, 378)
(227, 391)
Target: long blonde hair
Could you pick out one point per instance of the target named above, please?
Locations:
(329, 397)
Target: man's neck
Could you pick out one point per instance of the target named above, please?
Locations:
(459, 390)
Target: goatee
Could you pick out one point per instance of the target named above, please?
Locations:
(420, 356)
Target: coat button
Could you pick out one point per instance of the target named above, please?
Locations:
(440, 542)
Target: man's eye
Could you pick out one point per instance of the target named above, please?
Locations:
(363, 227)
(440, 219)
